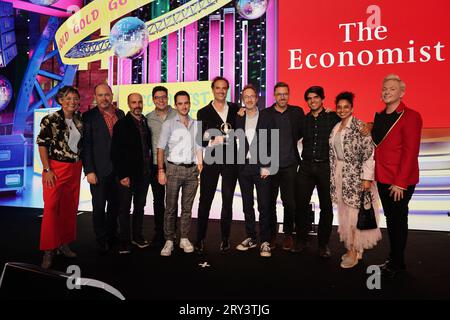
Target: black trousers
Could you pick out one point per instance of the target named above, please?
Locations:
(105, 196)
(208, 184)
(138, 194)
(263, 191)
(396, 213)
(284, 181)
(309, 176)
(159, 192)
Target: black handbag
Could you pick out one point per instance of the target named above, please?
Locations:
(366, 217)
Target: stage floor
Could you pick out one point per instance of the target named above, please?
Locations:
(242, 276)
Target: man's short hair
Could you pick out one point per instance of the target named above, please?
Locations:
(396, 78)
(131, 94)
(314, 89)
(102, 84)
(218, 78)
(181, 93)
(159, 88)
(252, 87)
(280, 85)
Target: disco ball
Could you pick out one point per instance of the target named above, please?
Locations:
(44, 2)
(251, 9)
(6, 92)
(129, 37)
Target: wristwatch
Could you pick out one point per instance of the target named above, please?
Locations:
(46, 169)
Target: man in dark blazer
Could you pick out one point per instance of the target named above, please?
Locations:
(98, 126)
(396, 133)
(131, 154)
(253, 133)
(218, 116)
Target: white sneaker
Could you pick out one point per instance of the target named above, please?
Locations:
(265, 250)
(186, 245)
(168, 248)
(248, 243)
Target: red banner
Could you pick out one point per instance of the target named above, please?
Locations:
(352, 45)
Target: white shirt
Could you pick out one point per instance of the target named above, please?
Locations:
(338, 145)
(74, 136)
(338, 137)
(224, 113)
(250, 129)
(180, 141)
(250, 126)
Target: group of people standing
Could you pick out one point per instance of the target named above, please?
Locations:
(123, 155)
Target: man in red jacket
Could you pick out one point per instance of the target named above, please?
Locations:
(396, 134)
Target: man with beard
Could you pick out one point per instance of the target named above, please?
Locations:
(287, 120)
(98, 126)
(131, 154)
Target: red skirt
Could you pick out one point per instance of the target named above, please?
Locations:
(59, 222)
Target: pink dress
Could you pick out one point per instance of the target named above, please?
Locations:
(352, 237)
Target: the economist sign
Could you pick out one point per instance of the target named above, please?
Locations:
(352, 45)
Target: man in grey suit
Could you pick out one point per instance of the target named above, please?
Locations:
(98, 124)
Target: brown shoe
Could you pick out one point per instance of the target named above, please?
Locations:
(273, 242)
(65, 250)
(288, 242)
(47, 260)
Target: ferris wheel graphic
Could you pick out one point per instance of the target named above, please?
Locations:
(31, 95)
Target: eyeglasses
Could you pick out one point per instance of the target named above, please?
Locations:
(249, 97)
(160, 97)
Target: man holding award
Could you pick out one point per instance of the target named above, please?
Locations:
(217, 119)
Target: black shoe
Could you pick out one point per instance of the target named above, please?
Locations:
(384, 265)
(224, 246)
(298, 246)
(199, 247)
(113, 241)
(324, 252)
(391, 272)
(140, 242)
(102, 247)
(124, 248)
(388, 264)
(158, 242)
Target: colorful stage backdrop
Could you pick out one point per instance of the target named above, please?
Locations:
(340, 45)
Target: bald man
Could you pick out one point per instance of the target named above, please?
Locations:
(131, 154)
